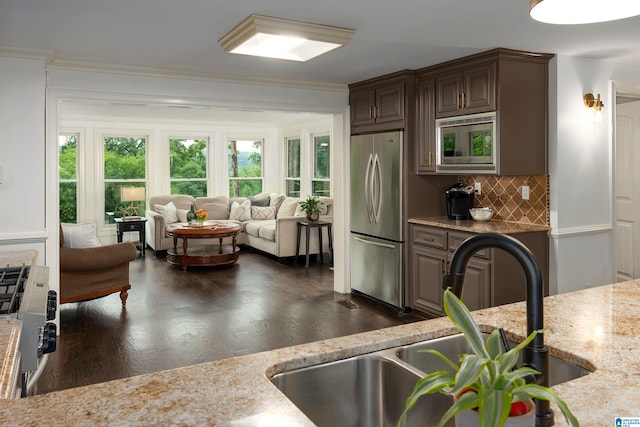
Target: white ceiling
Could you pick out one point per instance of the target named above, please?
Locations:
(389, 35)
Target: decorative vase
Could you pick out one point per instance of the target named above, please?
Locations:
(314, 216)
(191, 215)
(199, 221)
(471, 418)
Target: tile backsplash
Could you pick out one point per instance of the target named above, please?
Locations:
(503, 194)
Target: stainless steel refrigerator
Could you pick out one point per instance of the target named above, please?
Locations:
(377, 241)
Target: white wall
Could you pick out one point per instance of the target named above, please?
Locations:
(22, 154)
(581, 173)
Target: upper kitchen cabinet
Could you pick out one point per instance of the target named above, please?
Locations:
(382, 103)
(426, 146)
(513, 84)
(466, 92)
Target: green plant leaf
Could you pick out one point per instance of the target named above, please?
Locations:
(465, 402)
(461, 317)
(442, 357)
(494, 406)
(470, 370)
(543, 393)
(428, 384)
(494, 344)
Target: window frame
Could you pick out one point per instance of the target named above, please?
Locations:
(206, 179)
(288, 179)
(75, 181)
(230, 179)
(313, 178)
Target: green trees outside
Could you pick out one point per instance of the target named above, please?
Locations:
(188, 166)
(245, 161)
(321, 185)
(124, 165)
(68, 154)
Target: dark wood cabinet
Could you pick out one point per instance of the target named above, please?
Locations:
(466, 92)
(492, 277)
(426, 137)
(514, 84)
(381, 104)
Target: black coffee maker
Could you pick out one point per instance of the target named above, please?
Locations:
(459, 200)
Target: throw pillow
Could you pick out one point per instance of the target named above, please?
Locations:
(259, 201)
(263, 212)
(169, 212)
(80, 235)
(182, 215)
(241, 212)
(276, 200)
(217, 210)
(288, 207)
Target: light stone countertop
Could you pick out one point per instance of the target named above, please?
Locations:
(471, 226)
(18, 258)
(597, 328)
(10, 330)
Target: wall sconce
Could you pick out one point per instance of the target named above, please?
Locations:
(595, 105)
(131, 195)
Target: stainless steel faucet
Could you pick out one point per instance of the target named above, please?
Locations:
(536, 354)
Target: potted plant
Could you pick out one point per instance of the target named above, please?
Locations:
(485, 385)
(311, 205)
(201, 216)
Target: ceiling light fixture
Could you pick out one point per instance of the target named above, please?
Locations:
(283, 39)
(594, 103)
(582, 11)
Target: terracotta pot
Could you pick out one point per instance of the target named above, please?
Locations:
(471, 418)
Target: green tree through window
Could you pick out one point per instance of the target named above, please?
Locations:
(68, 155)
(188, 166)
(124, 166)
(245, 168)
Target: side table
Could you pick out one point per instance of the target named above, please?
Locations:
(123, 226)
(308, 225)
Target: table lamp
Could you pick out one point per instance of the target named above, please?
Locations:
(132, 195)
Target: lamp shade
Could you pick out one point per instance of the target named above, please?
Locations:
(132, 194)
(582, 11)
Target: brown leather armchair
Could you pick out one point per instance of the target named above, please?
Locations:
(90, 273)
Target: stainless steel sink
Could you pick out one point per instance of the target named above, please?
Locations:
(364, 391)
(559, 370)
(370, 390)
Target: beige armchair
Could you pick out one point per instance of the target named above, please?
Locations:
(90, 273)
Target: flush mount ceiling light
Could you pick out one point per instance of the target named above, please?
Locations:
(283, 39)
(582, 11)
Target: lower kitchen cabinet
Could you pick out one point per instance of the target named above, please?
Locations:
(493, 277)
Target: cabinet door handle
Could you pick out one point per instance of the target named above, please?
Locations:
(464, 101)
(458, 99)
(371, 112)
(430, 158)
(375, 111)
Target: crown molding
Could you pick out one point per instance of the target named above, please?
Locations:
(61, 64)
(14, 52)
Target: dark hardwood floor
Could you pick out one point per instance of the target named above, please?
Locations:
(176, 319)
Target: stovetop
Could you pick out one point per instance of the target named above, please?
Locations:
(12, 283)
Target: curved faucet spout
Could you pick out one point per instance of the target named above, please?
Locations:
(536, 354)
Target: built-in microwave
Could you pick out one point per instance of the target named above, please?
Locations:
(466, 144)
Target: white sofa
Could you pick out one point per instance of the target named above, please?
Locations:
(276, 235)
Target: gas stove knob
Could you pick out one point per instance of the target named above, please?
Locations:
(52, 304)
(49, 338)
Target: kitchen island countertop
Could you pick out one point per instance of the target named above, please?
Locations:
(597, 328)
(471, 226)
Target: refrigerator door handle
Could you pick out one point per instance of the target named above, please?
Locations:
(369, 242)
(377, 189)
(368, 183)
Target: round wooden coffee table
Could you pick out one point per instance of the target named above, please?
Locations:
(203, 255)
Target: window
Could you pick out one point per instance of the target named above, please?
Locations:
(124, 166)
(321, 180)
(245, 168)
(292, 179)
(188, 166)
(68, 176)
